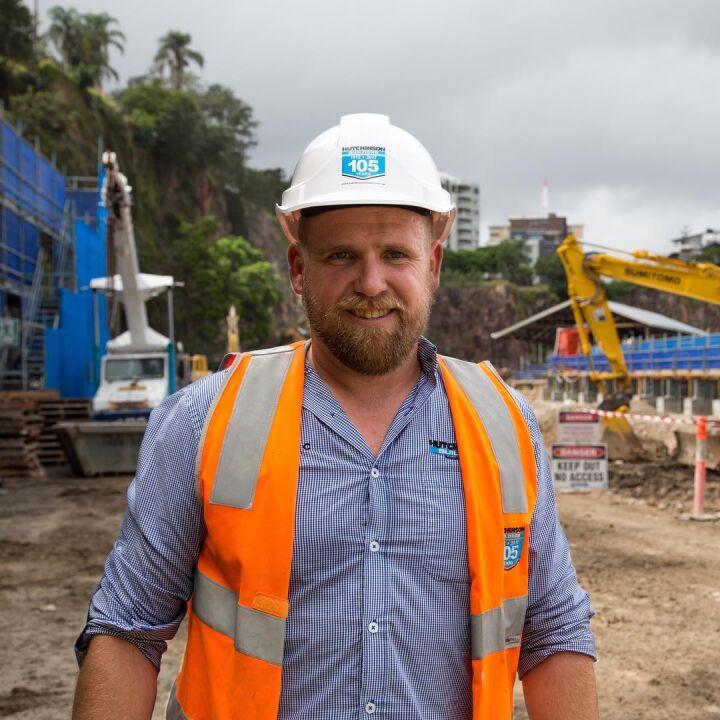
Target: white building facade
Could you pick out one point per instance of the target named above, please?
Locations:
(465, 234)
(688, 246)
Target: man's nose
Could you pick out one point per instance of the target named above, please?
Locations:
(370, 280)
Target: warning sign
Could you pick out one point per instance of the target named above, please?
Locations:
(9, 332)
(580, 467)
(578, 426)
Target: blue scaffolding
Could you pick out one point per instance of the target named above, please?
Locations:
(680, 353)
(51, 244)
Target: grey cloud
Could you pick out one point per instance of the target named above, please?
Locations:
(608, 99)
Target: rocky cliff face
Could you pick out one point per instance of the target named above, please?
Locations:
(464, 316)
(265, 234)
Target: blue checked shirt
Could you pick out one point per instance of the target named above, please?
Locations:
(379, 586)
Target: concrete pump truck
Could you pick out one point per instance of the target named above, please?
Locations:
(139, 369)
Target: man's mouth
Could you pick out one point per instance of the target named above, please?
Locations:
(370, 314)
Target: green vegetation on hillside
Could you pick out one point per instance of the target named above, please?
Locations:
(507, 261)
(710, 254)
(549, 270)
(183, 145)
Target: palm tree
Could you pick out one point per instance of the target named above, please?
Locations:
(176, 53)
(64, 33)
(84, 41)
(99, 37)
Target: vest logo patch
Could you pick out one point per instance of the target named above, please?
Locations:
(446, 449)
(514, 539)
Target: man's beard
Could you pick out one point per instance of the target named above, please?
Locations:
(367, 350)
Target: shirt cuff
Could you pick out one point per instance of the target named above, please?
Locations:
(583, 643)
(151, 648)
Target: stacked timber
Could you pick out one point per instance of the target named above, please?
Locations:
(54, 411)
(20, 426)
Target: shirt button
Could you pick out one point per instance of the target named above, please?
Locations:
(373, 627)
(370, 708)
(375, 472)
(374, 546)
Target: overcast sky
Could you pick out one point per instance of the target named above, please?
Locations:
(615, 102)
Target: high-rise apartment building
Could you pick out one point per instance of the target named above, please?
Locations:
(465, 234)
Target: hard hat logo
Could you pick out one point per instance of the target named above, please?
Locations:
(363, 162)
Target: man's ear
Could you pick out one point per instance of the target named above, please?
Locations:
(296, 265)
(290, 225)
(442, 224)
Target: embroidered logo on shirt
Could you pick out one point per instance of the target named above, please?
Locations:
(514, 539)
(440, 447)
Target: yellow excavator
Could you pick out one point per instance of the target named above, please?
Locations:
(700, 281)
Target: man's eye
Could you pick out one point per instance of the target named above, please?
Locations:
(340, 255)
(396, 255)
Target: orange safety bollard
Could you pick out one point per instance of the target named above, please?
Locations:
(701, 434)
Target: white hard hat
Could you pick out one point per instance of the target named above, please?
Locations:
(366, 161)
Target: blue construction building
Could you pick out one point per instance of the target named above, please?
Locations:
(671, 365)
(52, 243)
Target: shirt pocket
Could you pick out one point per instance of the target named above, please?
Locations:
(446, 556)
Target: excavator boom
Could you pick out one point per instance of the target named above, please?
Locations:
(700, 281)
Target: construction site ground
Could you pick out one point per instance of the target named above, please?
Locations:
(654, 580)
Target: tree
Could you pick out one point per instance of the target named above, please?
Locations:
(512, 262)
(83, 43)
(245, 276)
(217, 274)
(194, 133)
(264, 187)
(549, 269)
(710, 254)
(176, 53)
(479, 262)
(16, 49)
(168, 123)
(64, 33)
(16, 31)
(229, 133)
(99, 37)
(507, 260)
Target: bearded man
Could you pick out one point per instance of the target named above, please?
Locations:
(356, 525)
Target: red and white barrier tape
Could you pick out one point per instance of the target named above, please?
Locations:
(670, 419)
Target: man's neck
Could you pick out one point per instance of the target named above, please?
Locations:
(343, 381)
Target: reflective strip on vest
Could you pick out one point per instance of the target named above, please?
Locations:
(173, 711)
(253, 632)
(247, 433)
(498, 629)
(198, 457)
(495, 418)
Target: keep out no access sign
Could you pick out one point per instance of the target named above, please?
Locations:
(580, 467)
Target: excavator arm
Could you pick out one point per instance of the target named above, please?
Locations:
(700, 281)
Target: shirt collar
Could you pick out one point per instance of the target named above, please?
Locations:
(428, 358)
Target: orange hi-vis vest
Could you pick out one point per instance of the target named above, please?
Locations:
(247, 472)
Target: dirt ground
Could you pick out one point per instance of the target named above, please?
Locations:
(654, 579)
